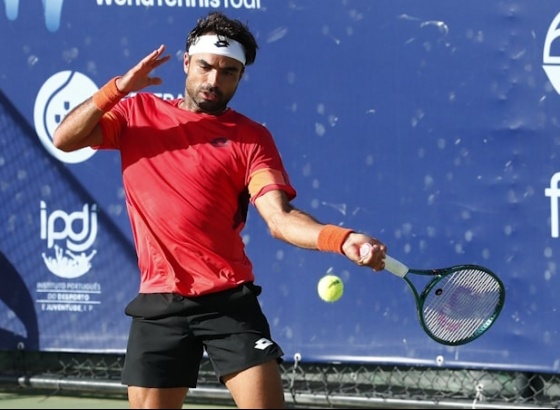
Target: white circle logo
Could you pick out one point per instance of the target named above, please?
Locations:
(551, 63)
(56, 98)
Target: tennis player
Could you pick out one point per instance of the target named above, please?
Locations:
(191, 167)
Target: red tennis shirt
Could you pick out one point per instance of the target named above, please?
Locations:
(188, 180)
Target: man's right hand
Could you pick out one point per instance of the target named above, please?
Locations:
(138, 77)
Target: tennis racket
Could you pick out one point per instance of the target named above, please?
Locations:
(459, 303)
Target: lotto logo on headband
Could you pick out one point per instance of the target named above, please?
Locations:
(222, 46)
(221, 43)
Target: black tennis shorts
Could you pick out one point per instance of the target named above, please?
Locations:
(169, 334)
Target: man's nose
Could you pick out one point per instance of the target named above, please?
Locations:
(212, 78)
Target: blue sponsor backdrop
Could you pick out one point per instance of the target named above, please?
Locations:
(432, 125)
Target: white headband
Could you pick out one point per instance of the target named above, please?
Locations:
(223, 46)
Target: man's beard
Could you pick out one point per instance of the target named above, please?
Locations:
(214, 107)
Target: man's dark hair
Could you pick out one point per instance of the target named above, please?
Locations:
(218, 23)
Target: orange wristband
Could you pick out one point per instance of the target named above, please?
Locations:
(108, 95)
(332, 237)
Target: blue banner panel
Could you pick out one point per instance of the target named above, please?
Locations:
(66, 268)
(433, 126)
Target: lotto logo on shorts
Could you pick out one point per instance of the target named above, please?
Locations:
(263, 343)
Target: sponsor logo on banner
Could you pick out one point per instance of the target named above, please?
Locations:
(71, 259)
(53, 8)
(69, 239)
(57, 97)
(551, 66)
(551, 63)
(554, 193)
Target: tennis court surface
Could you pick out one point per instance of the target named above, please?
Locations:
(25, 398)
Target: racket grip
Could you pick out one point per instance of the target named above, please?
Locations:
(395, 267)
(391, 264)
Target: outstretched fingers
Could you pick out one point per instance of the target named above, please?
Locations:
(156, 57)
(153, 61)
(139, 77)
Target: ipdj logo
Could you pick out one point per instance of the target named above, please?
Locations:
(53, 10)
(58, 95)
(551, 63)
(75, 232)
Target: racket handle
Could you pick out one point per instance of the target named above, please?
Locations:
(391, 264)
(395, 267)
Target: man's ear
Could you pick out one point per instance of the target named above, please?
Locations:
(186, 62)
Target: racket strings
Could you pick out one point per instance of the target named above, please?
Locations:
(461, 305)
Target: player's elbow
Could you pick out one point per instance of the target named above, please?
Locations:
(67, 141)
(276, 233)
(274, 228)
(60, 141)
(61, 146)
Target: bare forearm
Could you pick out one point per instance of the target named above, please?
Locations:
(78, 129)
(296, 228)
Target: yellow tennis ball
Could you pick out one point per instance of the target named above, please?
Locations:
(330, 288)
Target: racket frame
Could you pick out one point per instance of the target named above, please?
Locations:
(401, 270)
(437, 275)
